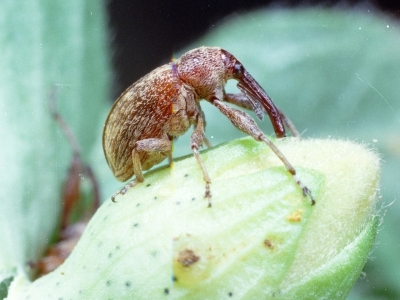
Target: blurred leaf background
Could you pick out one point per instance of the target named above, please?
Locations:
(44, 45)
(335, 72)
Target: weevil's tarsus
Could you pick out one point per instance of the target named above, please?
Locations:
(306, 191)
(124, 190)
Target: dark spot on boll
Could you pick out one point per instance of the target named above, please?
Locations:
(268, 244)
(187, 257)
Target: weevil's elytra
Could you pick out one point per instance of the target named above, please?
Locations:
(165, 103)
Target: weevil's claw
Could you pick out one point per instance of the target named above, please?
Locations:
(123, 190)
(113, 197)
(306, 191)
(207, 195)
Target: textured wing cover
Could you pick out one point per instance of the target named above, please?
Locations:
(141, 112)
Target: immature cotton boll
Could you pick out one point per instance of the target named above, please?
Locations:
(261, 239)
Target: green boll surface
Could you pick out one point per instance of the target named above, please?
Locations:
(261, 239)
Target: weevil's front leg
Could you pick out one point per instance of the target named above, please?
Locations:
(146, 145)
(196, 141)
(241, 100)
(247, 125)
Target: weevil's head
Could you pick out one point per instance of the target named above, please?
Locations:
(204, 70)
(207, 69)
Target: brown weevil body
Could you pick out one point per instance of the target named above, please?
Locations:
(141, 125)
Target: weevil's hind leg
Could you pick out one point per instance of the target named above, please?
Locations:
(147, 145)
(196, 140)
(247, 125)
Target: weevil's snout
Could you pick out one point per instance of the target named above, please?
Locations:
(254, 92)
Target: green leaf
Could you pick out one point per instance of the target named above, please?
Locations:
(260, 239)
(44, 44)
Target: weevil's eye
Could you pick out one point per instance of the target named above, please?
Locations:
(238, 70)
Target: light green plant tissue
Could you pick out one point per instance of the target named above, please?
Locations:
(261, 239)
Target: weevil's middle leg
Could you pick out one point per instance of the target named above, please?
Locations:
(247, 125)
(196, 141)
(146, 145)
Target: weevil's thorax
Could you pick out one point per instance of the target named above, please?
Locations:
(203, 69)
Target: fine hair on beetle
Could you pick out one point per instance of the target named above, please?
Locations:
(165, 103)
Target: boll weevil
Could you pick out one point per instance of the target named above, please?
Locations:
(165, 103)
